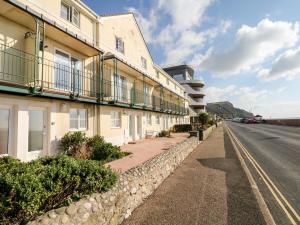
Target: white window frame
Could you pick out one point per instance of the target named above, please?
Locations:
(149, 119)
(70, 56)
(120, 47)
(144, 62)
(78, 120)
(10, 129)
(157, 74)
(71, 14)
(78, 19)
(157, 119)
(115, 121)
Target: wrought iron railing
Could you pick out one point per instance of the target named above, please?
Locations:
(24, 70)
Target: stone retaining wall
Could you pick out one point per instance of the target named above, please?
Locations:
(132, 188)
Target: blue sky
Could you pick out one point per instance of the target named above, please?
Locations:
(247, 52)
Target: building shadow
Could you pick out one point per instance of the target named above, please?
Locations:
(242, 206)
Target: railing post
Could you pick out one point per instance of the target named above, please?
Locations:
(115, 78)
(144, 92)
(134, 94)
(43, 55)
(101, 76)
(36, 53)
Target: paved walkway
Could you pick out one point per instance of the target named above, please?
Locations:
(210, 188)
(146, 149)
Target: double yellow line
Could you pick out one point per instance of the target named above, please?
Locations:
(282, 201)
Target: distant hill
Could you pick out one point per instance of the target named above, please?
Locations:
(226, 110)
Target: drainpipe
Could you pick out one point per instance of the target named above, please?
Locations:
(36, 52)
(43, 54)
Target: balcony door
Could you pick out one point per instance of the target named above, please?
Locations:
(68, 72)
(120, 88)
(77, 77)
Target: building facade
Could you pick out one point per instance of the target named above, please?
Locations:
(64, 68)
(184, 74)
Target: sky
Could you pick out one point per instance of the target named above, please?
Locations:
(247, 52)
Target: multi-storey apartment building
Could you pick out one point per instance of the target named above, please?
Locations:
(64, 68)
(184, 74)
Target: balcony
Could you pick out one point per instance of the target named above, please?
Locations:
(27, 74)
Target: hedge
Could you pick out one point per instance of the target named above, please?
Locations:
(77, 145)
(182, 128)
(33, 188)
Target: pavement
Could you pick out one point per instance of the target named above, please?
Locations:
(144, 150)
(209, 188)
(277, 150)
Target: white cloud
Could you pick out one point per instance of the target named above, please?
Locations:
(185, 14)
(285, 66)
(252, 46)
(181, 38)
(147, 25)
(243, 97)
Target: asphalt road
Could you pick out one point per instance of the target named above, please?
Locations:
(277, 150)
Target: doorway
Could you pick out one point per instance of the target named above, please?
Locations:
(37, 133)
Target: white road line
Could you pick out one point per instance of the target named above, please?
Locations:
(268, 182)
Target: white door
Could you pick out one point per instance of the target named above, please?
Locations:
(37, 133)
(131, 126)
(4, 131)
(139, 127)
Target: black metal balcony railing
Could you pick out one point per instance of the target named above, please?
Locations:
(39, 75)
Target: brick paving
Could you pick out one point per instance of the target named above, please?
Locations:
(144, 150)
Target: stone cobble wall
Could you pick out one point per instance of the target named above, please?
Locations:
(132, 188)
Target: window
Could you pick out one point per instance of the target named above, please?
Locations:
(157, 119)
(36, 130)
(119, 45)
(149, 122)
(65, 11)
(76, 17)
(78, 119)
(157, 74)
(178, 77)
(120, 88)
(4, 130)
(70, 13)
(144, 62)
(115, 119)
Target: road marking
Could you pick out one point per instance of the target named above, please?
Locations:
(261, 202)
(272, 187)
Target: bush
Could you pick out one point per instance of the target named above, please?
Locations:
(73, 144)
(164, 133)
(79, 146)
(182, 128)
(32, 188)
(104, 151)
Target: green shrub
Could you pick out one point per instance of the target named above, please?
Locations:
(164, 133)
(32, 188)
(178, 128)
(104, 151)
(73, 144)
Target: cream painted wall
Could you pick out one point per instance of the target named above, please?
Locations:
(125, 27)
(57, 122)
(51, 9)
